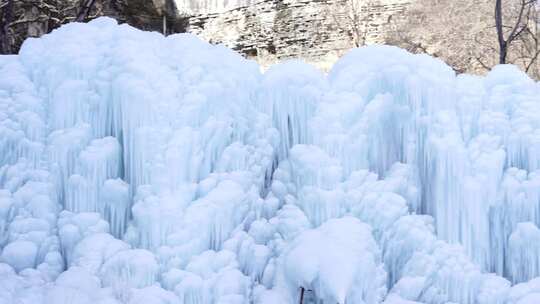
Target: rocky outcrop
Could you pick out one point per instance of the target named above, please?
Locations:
(318, 31)
(150, 15)
(33, 18)
(20, 19)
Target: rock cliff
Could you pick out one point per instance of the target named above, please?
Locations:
(315, 30)
(20, 19)
(267, 30)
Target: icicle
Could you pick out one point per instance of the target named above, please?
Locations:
(64, 148)
(115, 197)
(134, 268)
(519, 202)
(289, 95)
(96, 163)
(523, 260)
(73, 227)
(164, 25)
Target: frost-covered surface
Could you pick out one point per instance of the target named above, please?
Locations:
(141, 169)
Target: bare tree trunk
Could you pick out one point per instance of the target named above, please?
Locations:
(302, 290)
(518, 28)
(7, 16)
(503, 50)
(85, 10)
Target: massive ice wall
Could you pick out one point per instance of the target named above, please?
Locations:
(136, 168)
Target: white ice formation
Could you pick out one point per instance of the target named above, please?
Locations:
(137, 169)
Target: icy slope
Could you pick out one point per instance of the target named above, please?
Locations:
(141, 169)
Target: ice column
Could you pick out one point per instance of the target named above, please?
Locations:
(97, 163)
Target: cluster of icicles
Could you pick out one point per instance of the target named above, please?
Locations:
(141, 169)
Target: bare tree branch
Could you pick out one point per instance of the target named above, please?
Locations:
(352, 17)
(520, 25)
(85, 10)
(481, 62)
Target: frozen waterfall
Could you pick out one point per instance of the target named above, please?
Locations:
(137, 168)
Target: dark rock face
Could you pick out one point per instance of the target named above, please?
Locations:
(20, 19)
(149, 15)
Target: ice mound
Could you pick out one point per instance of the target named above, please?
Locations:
(137, 168)
(333, 262)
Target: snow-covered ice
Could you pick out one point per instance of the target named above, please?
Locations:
(137, 168)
